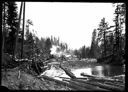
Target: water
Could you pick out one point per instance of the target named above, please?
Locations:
(100, 70)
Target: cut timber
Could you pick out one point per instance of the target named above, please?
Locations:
(63, 83)
(115, 84)
(68, 72)
(85, 85)
(120, 78)
(107, 82)
(100, 78)
(101, 85)
(76, 78)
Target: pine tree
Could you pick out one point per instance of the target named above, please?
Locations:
(93, 44)
(48, 45)
(119, 20)
(12, 23)
(29, 46)
(83, 52)
(102, 35)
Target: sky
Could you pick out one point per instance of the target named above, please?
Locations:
(73, 22)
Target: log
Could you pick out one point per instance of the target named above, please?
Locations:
(120, 78)
(106, 82)
(63, 83)
(70, 78)
(115, 84)
(68, 72)
(101, 85)
(85, 85)
(100, 78)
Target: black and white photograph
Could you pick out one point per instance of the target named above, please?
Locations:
(69, 46)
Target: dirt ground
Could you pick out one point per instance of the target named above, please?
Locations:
(12, 81)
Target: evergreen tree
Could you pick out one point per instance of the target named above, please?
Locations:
(102, 35)
(93, 44)
(87, 52)
(109, 43)
(48, 45)
(11, 26)
(77, 53)
(119, 20)
(29, 41)
(83, 52)
(29, 46)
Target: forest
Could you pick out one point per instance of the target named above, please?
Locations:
(108, 41)
(20, 44)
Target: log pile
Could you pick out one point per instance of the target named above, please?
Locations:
(91, 83)
(73, 86)
(85, 85)
(101, 78)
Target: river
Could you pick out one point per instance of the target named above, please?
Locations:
(98, 70)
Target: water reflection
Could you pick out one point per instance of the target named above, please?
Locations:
(101, 71)
(98, 70)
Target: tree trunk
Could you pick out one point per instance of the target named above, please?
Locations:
(3, 38)
(15, 46)
(69, 73)
(23, 32)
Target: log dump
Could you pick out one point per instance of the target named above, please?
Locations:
(89, 83)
